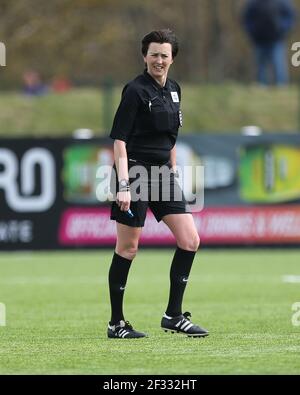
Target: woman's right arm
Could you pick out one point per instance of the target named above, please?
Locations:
(120, 156)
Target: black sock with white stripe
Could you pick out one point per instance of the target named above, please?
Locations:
(117, 278)
(179, 273)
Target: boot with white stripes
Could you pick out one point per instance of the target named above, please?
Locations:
(123, 330)
(182, 324)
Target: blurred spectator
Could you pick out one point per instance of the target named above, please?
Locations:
(61, 84)
(268, 22)
(32, 84)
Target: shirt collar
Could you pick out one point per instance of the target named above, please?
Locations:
(154, 82)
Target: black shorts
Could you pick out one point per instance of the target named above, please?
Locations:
(175, 203)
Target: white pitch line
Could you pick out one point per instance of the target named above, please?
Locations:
(291, 278)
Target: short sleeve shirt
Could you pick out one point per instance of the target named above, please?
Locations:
(148, 118)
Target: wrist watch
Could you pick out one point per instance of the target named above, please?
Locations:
(124, 185)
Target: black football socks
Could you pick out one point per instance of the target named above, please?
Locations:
(117, 278)
(179, 273)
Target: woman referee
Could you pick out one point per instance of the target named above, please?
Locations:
(145, 130)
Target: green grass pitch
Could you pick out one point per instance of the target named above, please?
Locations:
(57, 309)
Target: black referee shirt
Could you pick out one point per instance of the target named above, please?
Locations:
(148, 118)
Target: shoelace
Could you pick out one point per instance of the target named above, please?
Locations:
(126, 326)
(187, 316)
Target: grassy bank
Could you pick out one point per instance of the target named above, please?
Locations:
(216, 108)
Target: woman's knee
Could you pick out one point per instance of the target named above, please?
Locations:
(191, 243)
(127, 251)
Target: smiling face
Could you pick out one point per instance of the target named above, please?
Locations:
(159, 59)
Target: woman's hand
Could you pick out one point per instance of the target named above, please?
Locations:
(123, 200)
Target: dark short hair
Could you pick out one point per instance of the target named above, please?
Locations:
(160, 36)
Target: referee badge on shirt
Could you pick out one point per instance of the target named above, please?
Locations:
(180, 117)
(175, 97)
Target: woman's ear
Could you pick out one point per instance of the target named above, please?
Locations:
(145, 62)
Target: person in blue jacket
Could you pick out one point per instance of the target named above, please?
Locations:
(267, 23)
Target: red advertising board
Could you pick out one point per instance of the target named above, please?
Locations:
(222, 225)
